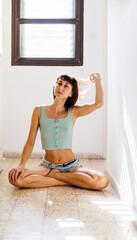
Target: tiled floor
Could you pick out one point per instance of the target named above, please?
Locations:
(62, 213)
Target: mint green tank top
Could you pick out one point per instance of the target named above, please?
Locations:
(56, 133)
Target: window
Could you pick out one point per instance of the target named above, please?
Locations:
(47, 32)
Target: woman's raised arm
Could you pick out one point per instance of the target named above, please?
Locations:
(88, 108)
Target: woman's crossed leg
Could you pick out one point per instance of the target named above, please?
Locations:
(82, 177)
(39, 176)
(36, 177)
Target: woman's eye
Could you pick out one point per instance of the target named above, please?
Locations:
(61, 84)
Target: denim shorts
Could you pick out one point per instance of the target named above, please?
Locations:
(65, 167)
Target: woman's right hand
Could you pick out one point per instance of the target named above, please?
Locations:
(15, 173)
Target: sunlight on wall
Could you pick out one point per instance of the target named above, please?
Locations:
(125, 187)
(0, 27)
(128, 182)
(130, 136)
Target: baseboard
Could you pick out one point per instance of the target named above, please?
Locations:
(19, 154)
(1, 159)
(112, 182)
(40, 155)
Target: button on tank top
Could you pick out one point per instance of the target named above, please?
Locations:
(56, 133)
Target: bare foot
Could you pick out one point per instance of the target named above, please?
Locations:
(53, 172)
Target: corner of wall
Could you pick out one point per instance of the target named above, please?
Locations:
(112, 182)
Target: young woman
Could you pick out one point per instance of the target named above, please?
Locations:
(59, 166)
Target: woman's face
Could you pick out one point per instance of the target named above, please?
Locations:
(63, 89)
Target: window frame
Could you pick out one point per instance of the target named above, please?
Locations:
(78, 21)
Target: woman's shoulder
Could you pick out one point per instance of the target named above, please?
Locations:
(37, 110)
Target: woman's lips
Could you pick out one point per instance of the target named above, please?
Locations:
(59, 92)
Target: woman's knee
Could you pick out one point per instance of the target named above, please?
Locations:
(18, 183)
(102, 182)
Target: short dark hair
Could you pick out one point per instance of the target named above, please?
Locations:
(70, 100)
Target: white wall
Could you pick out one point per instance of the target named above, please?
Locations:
(0, 26)
(24, 87)
(122, 92)
(1, 150)
(1, 147)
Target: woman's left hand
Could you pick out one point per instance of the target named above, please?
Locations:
(95, 77)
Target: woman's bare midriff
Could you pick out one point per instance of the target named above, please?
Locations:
(59, 156)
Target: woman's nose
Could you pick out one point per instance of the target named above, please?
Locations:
(61, 88)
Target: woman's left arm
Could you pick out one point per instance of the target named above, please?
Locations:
(99, 90)
(88, 108)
